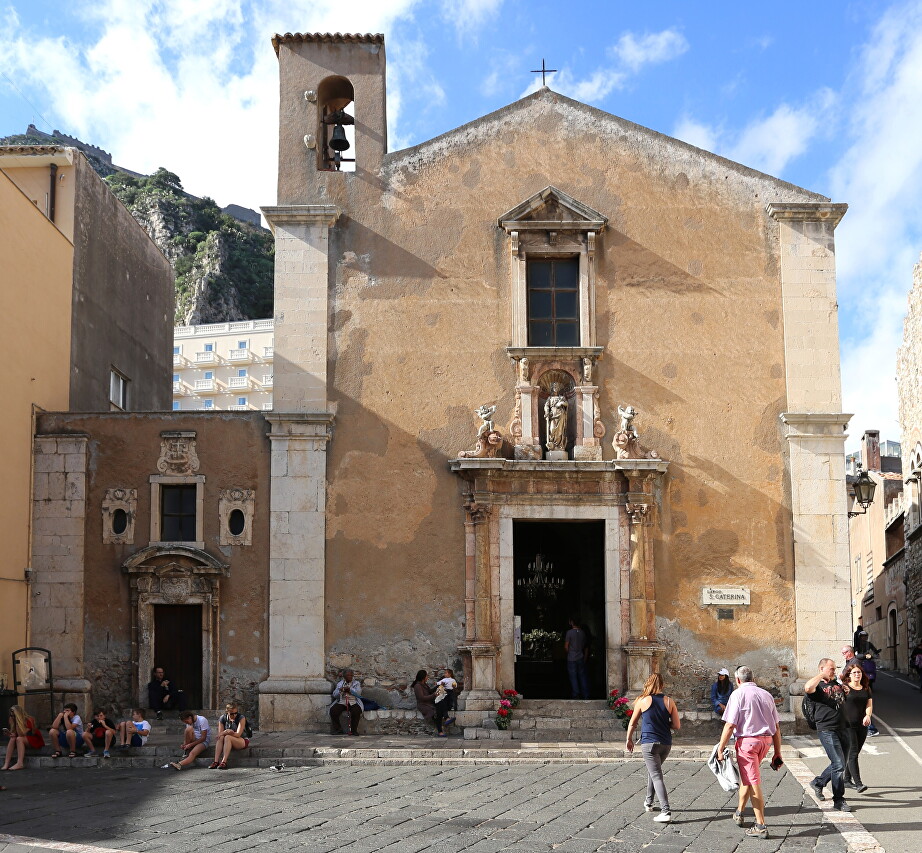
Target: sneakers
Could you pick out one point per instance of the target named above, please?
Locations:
(159, 715)
(648, 807)
(841, 806)
(663, 817)
(738, 818)
(861, 788)
(91, 754)
(106, 754)
(757, 830)
(817, 789)
(875, 733)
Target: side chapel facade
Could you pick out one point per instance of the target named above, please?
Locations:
(672, 311)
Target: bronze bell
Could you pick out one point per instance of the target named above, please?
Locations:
(338, 141)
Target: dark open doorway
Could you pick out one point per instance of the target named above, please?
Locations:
(178, 647)
(559, 570)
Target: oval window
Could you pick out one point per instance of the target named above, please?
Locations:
(236, 522)
(119, 522)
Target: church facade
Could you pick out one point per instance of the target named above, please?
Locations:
(551, 364)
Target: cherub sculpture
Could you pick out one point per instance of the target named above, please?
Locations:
(627, 415)
(485, 413)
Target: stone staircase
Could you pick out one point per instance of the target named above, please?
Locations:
(565, 721)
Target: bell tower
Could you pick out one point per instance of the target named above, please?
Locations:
(332, 133)
(332, 112)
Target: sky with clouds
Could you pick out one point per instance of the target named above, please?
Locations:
(826, 97)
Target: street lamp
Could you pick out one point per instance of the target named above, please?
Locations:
(864, 491)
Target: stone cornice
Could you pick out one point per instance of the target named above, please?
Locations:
(589, 466)
(304, 426)
(807, 212)
(554, 353)
(301, 214)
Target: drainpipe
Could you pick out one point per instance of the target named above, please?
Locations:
(54, 175)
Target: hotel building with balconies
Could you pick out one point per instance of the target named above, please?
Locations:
(223, 366)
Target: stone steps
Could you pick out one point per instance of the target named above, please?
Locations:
(290, 757)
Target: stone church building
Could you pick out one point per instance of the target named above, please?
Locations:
(548, 364)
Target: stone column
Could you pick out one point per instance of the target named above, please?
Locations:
(814, 429)
(641, 648)
(480, 642)
(58, 551)
(296, 693)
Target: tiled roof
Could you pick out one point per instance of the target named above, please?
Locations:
(333, 38)
(32, 149)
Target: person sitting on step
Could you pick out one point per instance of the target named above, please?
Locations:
(163, 694)
(67, 731)
(99, 734)
(133, 732)
(347, 699)
(196, 739)
(233, 733)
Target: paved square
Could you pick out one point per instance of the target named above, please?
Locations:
(437, 809)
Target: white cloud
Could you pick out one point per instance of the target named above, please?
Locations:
(696, 133)
(468, 15)
(767, 143)
(636, 51)
(188, 84)
(631, 54)
(878, 242)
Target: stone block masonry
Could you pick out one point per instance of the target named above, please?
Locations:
(58, 559)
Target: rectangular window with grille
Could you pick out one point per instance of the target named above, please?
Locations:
(177, 513)
(553, 302)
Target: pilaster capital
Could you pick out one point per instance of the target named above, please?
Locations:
(301, 214)
(816, 424)
(300, 426)
(807, 212)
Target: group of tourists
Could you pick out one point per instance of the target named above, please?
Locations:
(840, 708)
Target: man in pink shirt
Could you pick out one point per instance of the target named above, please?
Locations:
(752, 714)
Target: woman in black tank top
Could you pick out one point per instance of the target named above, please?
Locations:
(660, 718)
(857, 712)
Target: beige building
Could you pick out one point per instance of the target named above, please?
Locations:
(90, 297)
(876, 547)
(223, 366)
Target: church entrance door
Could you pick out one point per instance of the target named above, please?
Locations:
(559, 573)
(178, 647)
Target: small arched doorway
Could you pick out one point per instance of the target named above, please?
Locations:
(176, 597)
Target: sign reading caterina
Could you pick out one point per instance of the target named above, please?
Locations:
(725, 595)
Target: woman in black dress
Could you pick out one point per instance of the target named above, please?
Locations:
(857, 711)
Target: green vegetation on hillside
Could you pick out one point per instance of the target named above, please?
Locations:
(215, 256)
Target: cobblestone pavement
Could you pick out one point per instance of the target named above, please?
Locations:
(441, 809)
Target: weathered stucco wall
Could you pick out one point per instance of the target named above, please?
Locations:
(122, 451)
(688, 310)
(122, 303)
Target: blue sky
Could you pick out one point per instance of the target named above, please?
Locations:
(826, 96)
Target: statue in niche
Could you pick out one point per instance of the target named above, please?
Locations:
(587, 371)
(555, 416)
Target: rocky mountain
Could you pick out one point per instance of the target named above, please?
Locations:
(224, 265)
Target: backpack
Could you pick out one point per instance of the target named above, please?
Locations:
(809, 710)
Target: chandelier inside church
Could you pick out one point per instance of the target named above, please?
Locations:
(541, 579)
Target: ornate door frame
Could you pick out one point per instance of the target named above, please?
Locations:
(175, 574)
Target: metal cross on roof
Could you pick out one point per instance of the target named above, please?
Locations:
(542, 71)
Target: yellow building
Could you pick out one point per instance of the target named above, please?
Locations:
(88, 299)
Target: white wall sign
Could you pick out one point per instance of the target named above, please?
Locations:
(725, 595)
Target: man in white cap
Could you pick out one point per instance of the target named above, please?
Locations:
(720, 692)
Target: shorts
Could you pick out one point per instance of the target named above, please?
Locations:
(99, 740)
(62, 738)
(137, 740)
(750, 751)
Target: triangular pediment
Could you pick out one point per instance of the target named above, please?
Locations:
(552, 208)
